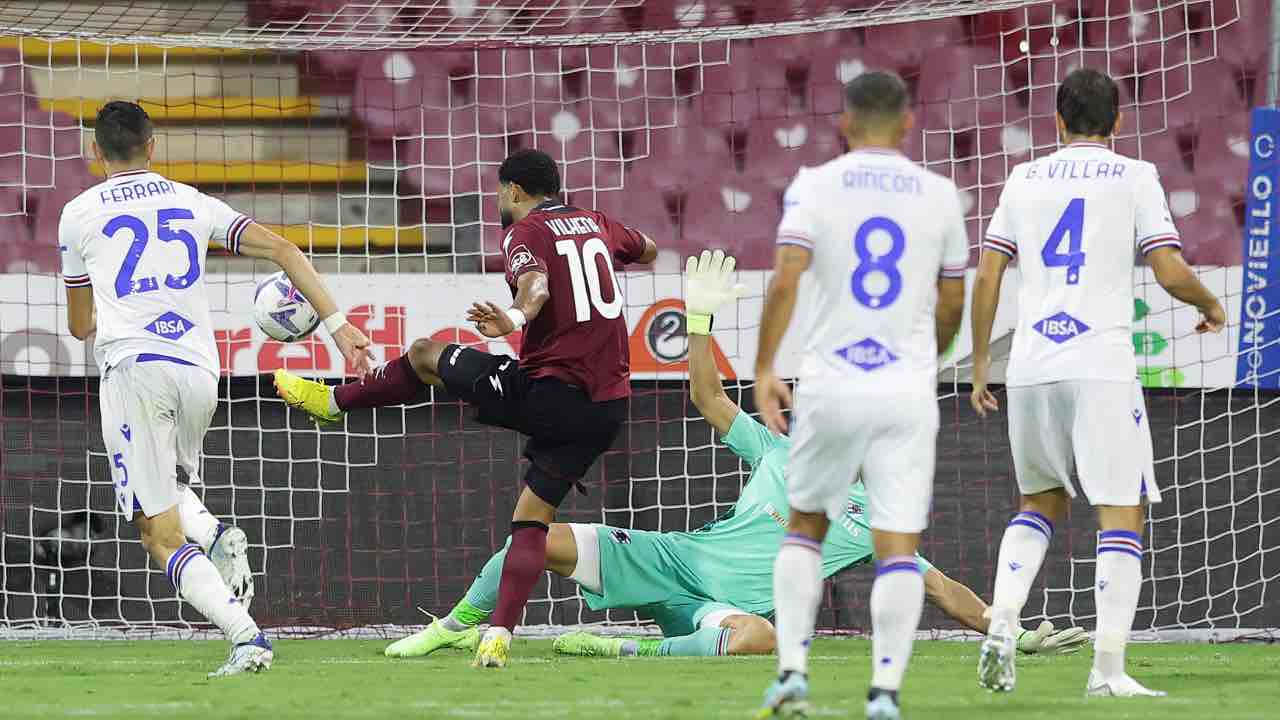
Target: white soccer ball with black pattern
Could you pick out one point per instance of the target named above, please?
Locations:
(281, 311)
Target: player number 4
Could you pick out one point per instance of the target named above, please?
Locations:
(584, 275)
(1070, 227)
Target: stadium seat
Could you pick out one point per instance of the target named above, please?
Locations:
(776, 149)
(831, 67)
(644, 210)
(1220, 150)
(912, 44)
(440, 166)
(588, 160)
(1030, 31)
(394, 90)
(963, 86)
(676, 158)
(733, 213)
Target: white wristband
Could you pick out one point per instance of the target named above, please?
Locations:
(334, 321)
(517, 317)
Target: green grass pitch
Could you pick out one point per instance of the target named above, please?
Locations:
(351, 679)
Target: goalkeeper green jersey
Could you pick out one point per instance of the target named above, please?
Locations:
(731, 559)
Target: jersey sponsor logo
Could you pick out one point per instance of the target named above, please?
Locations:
(778, 517)
(520, 256)
(1060, 327)
(867, 354)
(170, 326)
(620, 536)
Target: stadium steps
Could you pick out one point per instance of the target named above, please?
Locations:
(35, 49)
(235, 144)
(216, 109)
(266, 173)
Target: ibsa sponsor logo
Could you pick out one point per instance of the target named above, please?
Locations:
(170, 326)
(867, 354)
(1061, 327)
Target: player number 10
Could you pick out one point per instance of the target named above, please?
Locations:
(584, 274)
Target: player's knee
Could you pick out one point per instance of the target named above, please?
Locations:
(424, 356)
(752, 635)
(1052, 504)
(161, 541)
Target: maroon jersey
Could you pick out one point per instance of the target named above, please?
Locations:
(580, 336)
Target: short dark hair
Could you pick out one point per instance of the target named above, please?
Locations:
(878, 94)
(121, 130)
(1089, 102)
(533, 170)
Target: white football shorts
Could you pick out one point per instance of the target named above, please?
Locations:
(1097, 427)
(155, 412)
(887, 434)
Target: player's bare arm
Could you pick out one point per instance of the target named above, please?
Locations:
(772, 395)
(81, 318)
(986, 298)
(259, 242)
(963, 605)
(949, 311)
(650, 251)
(531, 294)
(1180, 281)
(708, 286)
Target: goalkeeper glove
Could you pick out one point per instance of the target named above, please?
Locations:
(1044, 641)
(708, 285)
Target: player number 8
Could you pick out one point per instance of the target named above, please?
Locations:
(882, 267)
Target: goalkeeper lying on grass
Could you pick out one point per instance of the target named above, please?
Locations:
(710, 590)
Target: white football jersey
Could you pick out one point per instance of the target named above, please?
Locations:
(1072, 220)
(882, 230)
(140, 240)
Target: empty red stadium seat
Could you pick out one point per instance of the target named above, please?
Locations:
(963, 86)
(734, 213)
(678, 157)
(441, 166)
(913, 43)
(395, 90)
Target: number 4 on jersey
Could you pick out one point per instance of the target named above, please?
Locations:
(1071, 227)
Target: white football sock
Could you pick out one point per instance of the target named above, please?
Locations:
(1119, 579)
(198, 524)
(1021, 555)
(897, 599)
(797, 590)
(198, 582)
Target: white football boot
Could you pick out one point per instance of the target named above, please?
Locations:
(247, 657)
(1123, 686)
(995, 661)
(229, 553)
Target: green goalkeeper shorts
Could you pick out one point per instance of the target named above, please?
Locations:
(640, 570)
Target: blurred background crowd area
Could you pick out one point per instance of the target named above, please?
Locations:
(386, 159)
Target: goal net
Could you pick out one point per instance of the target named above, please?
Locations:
(369, 133)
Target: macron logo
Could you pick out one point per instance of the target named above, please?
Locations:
(170, 326)
(1061, 327)
(866, 354)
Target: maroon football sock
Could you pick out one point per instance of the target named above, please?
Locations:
(526, 559)
(392, 384)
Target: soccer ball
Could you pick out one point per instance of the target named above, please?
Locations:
(281, 311)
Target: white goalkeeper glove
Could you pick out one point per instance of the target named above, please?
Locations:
(1044, 641)
(708, 285)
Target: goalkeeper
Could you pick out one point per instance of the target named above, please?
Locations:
(710, 590)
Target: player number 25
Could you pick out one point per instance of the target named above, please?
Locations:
(125, 282)
(584, 274)
(1071, 227)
